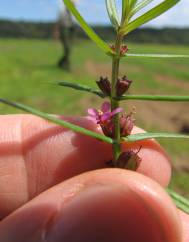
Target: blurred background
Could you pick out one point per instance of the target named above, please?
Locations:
(31, 47)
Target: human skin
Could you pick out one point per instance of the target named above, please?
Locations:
(39, 203)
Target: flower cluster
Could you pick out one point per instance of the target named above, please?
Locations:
(104, 114)
(103, 117)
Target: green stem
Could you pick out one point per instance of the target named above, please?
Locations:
(114, 102)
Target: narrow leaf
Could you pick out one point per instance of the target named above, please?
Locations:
(125, 11)
(141, 5)
(181, 202)
(112, 12)
(89, 31)
(156, 56)
(55, 120)
(81, 88)
(155, 98)
(148, 16)
(162, 98)
(132, 3)
(143, 136)
(127, 7)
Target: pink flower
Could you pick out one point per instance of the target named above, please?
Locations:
(104, 114)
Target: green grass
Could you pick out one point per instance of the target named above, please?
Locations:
(28, 73)
(180, 183)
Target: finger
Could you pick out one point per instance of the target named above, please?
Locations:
(185, 225)
(36, 154)
(155, 162)
(108, 205)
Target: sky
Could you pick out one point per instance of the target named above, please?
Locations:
(93, 11)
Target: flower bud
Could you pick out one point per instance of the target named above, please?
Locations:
(123, 50)
(129, 160)
(104, 85)
(108, 128)
(126, 124)
(122, 85)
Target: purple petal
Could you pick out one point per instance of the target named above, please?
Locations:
(106, 116)
(93, 112)
(115, 111)
(93, 119)
(105, 107)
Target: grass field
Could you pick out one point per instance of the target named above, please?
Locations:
(28, 73)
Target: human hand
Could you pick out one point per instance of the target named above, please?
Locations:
(39, 204)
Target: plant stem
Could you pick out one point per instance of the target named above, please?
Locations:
(115, 103)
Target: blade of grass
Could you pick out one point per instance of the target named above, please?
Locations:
(143, 136)
(55, 120)
(181, 202)
(88, 30)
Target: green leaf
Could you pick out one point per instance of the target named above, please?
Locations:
(155, 98)
(162, 98)
(148, 16)
(89, 31)
(143, 136)
(55, 120)
(125, 12)
(81, 88)
(132, 3)
(181, 202)
(156, 56)
(88, 89)
(125, 6)
(141, 5)
(112, 12)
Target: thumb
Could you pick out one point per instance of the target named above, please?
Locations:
(108, 205)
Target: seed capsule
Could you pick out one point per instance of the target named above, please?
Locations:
(129, 160)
